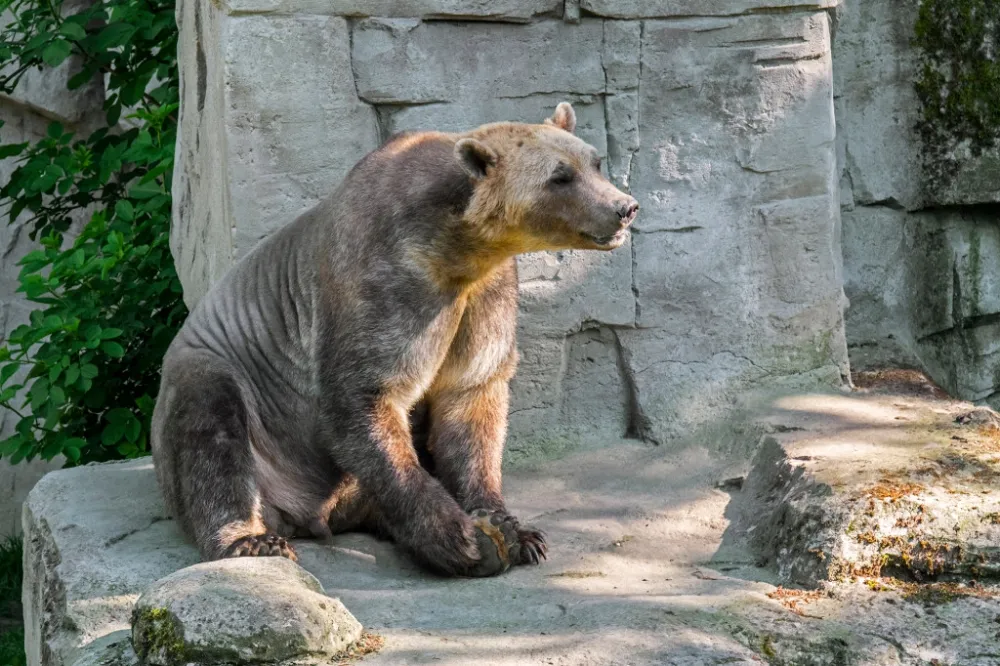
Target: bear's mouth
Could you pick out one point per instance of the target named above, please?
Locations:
(611, 241)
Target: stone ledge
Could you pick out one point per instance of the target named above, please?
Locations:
(641, 563)
(634, 9)
(876, 484)
(517, 11)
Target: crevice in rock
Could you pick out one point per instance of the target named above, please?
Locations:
(762, 172)
(632, 167)
(351, 24)
(769, 41)
(121, 537)
(470, 18)
(201, 62)
(770, 63)
(788, 9)
(672, 230)
(968, 323)
(577, 97)
(384, 113)
(639, 425)
(888, 202)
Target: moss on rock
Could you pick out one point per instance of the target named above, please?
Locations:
(157, 636)
(958, 83)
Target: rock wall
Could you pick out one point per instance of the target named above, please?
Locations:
(718, 119)
(920, 260)
(40, 98)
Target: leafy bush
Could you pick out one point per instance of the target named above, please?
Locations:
(959, 82)
(81, 376)
(11, 631)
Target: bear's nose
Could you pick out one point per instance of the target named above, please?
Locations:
(628, 210)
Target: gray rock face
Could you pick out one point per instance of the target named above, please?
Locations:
(265, 609)
(258, 144)
(922, 289)
(876, 66)
(923, 293)
(722, 126)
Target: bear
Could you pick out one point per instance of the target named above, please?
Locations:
(352, 371)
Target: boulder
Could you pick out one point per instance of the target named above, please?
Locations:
(243, 610)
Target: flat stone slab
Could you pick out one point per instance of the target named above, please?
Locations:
(647, 566)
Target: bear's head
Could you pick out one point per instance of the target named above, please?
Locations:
(540, 187)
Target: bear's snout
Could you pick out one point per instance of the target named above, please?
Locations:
(627, 211)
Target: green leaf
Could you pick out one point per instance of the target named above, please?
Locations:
(11, 149)
(92, 332)
(57, 396)
(133, 429)
(88, 371)
(57, 51)
(118, 415)
(111, 116)
(124, 210)
(108, 333)
(95, 399)
(72, 373)
(10, 445)
(112, 433)
(145, 190)
(55, 130)
(113, 349)
(114, 34)
(52, 449)
(39, 394)
(72, 451)
(72, 30)
(7, 372)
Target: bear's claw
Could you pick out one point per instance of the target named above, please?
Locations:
(503, 543)
(263, 545)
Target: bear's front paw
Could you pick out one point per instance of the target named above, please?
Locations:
(263, 545)
(503, 543)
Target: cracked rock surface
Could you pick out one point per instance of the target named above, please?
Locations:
(650, 562)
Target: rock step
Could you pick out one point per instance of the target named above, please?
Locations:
(873, 485)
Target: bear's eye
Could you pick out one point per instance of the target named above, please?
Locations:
(597, 163)
(563, 175)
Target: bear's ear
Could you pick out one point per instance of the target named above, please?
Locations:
(564, 118)
(475, 157)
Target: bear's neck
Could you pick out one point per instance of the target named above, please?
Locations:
(458, 260)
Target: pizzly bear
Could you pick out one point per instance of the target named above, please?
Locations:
(352, 371)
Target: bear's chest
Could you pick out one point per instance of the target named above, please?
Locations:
(424, 354)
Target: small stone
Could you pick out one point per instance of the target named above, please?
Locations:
(252, 609)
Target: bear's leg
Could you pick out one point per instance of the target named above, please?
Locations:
(467, 433)
(373, 443)
(205, 438)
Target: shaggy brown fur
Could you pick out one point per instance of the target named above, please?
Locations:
(352, 371)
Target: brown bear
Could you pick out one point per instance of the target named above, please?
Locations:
(351, 372)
